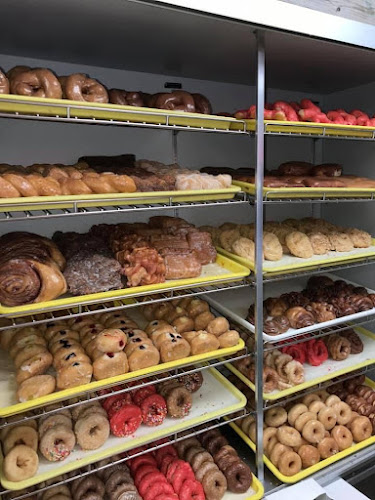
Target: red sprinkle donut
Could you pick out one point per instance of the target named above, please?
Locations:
(142, 393)
(118, 404)
(126, 421)
(179, 100)
(154, 410)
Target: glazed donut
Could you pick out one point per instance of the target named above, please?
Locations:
(310, 398)
(327, 416)
(268, 433)
(246, 422)
(218, 326)
(289, 463)
(79, 87)
(178, 100)
(342, 436)
(323, 394)
(20, 463)
(20, 434)
(361, 429)
(302, 419)
(295, 412)
(124, 98)
(16, 70)
(275, 417)
(289, 436)
(36, 83)
(36, 387)
(332, 400)
(313, 431)
(277, 451)
(327, 447)
(111, 340)
(238, 476)
(4, 84)
(280, 363)
(179, 402)
(57, 443)
(343, 413)
(295, 372)
(270, 379)
(316, 406)
(309, 455)
(202, 104)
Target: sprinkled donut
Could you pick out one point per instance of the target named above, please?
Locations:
(57, 443)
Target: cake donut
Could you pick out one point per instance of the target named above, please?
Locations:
(57, 443)
(20, 463)
(92, 431)
(20, 434)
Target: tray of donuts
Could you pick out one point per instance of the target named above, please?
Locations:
(305, 436)
(64, 358)
(298, 305)
(39, 449)
(186, 470)
(297, 367)
(293, 244)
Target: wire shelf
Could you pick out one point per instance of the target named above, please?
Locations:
(97, 307)
(270, 198)
(9, 212)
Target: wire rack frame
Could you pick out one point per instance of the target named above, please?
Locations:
(94, 468)
(270, 198)
(97, 307)
(9, 215)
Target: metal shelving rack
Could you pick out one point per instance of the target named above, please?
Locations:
(258, 201)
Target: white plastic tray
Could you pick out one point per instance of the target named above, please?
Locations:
(235, 304)
(216, 398)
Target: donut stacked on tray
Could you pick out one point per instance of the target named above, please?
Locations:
(301, 238)
(323, 299)
(301, 434)
(42, 82)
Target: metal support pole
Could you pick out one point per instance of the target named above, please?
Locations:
(316, 208)
(174, 146)
(259, 176)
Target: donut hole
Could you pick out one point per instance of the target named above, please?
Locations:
(22, 462)
(93, 430)
(57, 442)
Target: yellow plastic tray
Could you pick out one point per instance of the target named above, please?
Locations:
(119, 379)
(309, 383)
(202, 403)
(307, 192)
(308, 128)
(315, 468)
(295, 263)
(109, 112)
(102, 200)
(257, 486)
(229, 271)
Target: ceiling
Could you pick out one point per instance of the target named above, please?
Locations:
(141, 37)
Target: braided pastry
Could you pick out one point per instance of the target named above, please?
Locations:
(356, 344)
(338, 347)
(299, 317)
(361, 303)
(322, 311)
(342, 307)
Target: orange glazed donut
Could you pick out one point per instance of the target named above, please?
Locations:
(79, 87)
(36, 83)
(327, 447)
(289, 463)
(342, 436)
(327, 416)
(309, 455)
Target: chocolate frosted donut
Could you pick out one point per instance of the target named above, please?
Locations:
(124, 98)
(239, 477)
(178, 100)
(4, 84)
(327, 170)
(192, 382)
(36, 83)
(216, 444)
(79, 87)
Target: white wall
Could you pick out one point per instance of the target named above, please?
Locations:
(25, 142)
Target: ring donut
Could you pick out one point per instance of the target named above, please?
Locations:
(289, 436)
(342, 436)
(327, 447)
(20, 434)
(92, 431)
(79, 87)
(179, 100)
(20, 463)
(313, 431)
(124, 98)
(57, 443)
(277, 451)
(289, 463)
(327, 416)
(4, 84)
(275, 417)
(295, 412)
(343, 413)
(36, 83)
(309, 455)
(202, 104)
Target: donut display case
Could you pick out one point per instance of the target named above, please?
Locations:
(187, 299)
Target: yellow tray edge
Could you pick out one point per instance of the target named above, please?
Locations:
(134, 443)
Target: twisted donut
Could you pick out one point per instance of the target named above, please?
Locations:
(79, 87)
(124, 98)
(35, 83)
(4, 84)
(179, 100)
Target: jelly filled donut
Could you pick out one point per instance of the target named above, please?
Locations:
(79, 87)
(36, 83)
(111, 340)
(179, 100)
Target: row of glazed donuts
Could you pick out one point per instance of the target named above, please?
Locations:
(300, 435)
(42, 82)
